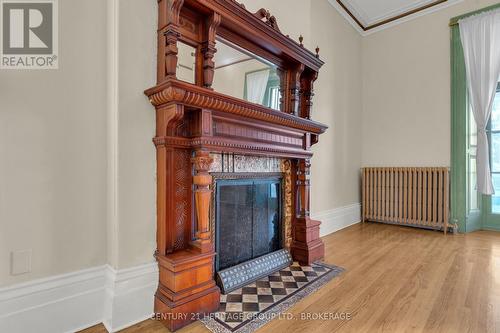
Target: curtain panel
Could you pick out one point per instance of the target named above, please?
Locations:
(480, 37)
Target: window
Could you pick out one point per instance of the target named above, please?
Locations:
(469, 209)
(472, 195)
(494, 140)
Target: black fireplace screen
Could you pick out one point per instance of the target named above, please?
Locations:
(248, 219)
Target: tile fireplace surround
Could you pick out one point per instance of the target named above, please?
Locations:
(234, 163)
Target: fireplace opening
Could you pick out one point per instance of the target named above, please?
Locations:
(248, 219)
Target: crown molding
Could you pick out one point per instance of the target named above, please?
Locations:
(404, 17)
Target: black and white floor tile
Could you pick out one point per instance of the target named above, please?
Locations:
(246, 309)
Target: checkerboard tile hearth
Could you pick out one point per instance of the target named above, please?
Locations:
(248, 308)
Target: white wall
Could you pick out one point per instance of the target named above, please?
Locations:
(337, 103)
(53, 152)
(288, 14)
(136, 129)
(406, 91)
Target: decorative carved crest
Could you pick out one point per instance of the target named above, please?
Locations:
(268, 18)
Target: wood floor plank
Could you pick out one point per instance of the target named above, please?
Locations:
(397, 279)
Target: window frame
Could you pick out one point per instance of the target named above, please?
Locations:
(489, 133)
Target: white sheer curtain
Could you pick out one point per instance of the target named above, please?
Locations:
(480, 35)
(256, 86)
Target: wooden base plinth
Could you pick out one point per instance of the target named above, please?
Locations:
(307, 246)
(187, 289)
(177, 317)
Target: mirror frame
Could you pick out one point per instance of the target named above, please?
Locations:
(199, 23)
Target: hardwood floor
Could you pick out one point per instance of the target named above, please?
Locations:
(397, 279)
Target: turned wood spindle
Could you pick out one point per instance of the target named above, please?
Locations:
(209, 50)
(303, 187)
(295, 90)
(203, 194)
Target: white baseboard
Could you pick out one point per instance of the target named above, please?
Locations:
(129, 296)
(338, 218)
(75, 301)
(63, 303)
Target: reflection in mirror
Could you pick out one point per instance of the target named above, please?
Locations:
(186, 59)
(243, 75)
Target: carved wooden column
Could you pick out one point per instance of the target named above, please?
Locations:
(284, 101)
(208, 49)
(294, 89)
(168, 35)
(202, 194)
(303, 188)
(307, 93)
(307, 246)
(171, 36)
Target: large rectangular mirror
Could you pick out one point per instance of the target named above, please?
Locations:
(243, 75)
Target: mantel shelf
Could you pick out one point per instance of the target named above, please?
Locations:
(173, 90)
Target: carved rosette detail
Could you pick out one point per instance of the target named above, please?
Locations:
(286, 169)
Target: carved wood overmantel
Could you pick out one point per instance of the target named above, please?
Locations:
(194, 120)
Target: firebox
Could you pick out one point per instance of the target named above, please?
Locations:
(248, 219)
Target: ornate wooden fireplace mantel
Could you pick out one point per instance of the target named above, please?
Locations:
(193, 120)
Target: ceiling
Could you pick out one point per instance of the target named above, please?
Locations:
(371, 15)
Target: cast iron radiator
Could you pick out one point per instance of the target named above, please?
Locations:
(417, 197)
